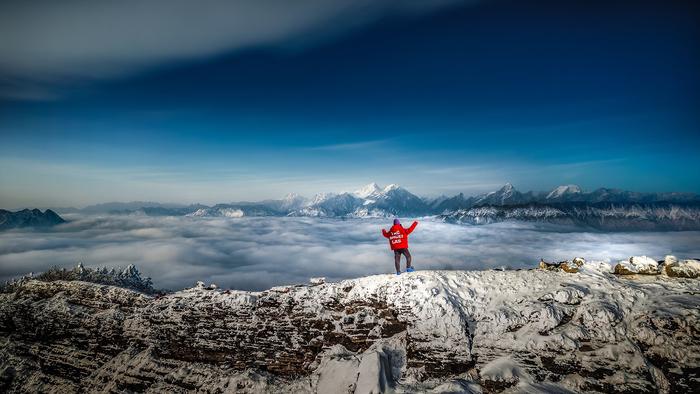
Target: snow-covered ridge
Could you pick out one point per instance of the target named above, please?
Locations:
(653, 216)
(218, 212)
(429, 331)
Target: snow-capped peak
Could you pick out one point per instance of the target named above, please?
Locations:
(504, 195)
(320, 197)
(290, 196)
(563, 190)
(506, 191)
(292, 201)
(391, 187)
(368, 190)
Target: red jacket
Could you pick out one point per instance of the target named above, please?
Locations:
(398, 236)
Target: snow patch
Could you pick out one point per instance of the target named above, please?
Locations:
(375, 375)
(504, 372)
(338, 371)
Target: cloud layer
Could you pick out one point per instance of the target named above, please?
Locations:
(46, 42)
(257, 253)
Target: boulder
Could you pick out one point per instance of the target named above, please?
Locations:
(566, 266)
(569, 267)
(642, 265)
(548, 266)
(317, 281)
(681, 269)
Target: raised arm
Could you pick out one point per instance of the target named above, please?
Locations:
(385, 233)
(413, 227)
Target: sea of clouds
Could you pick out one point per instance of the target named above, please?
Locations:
(257, 253)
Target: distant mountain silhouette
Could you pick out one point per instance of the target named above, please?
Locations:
(28, 218)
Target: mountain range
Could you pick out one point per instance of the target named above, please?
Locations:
(608, 216)
(604, 208)
(373, 200)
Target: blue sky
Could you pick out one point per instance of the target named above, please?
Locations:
(327, 96)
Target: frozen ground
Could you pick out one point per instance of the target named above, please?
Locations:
(257, 253)
(430, 331)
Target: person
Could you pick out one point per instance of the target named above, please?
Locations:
(398, 241)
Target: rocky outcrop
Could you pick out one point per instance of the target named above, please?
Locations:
(689, 268)
(637, 265)
(489, 331)
(566, 266)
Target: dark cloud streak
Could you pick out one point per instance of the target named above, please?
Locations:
(46, 43)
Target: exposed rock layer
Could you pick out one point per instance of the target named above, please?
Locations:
(440, 331)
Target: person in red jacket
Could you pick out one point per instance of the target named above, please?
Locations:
(398, 241)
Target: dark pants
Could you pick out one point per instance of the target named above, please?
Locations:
(397, 258)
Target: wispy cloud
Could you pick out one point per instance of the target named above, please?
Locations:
(586, 163)
(352, 145)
